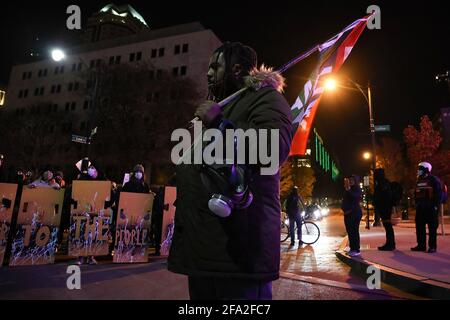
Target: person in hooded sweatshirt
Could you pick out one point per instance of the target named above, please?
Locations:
(352, 212)
(233, 253)
(137, 183)
(383, 204)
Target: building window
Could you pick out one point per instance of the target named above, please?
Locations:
(74, 67)
(139, 56)
(67, 106)
(92, 64)
(118, 59)
(111, 60)
(154, 51)
(41, 91)
(175, 71)
(185, 47)
(36, 92)
(80, 65)
(25, 93)
(177, 49)
(183, 71)
(40, 73)
(151, 74)
(52, 90)
(73, 105)
(161, 52)
(70, 86)
(20, 93)
(86, 104)
(159, 74)
(26, 75)
(99, 61)
(55, 107)
(58, 88)
(132, 56)
(76, 86)
(152, 97)
(61, 69)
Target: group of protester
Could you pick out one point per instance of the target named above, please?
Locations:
(429, 194)
(87, 171)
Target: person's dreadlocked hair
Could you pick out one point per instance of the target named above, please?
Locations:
(236, 53)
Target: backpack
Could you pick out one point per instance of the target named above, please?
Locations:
(397, 193)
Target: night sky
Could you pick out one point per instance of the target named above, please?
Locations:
(400, 60)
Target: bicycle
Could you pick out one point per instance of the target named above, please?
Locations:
(310, 230)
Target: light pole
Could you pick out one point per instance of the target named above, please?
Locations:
(59, 55)
(367, 156)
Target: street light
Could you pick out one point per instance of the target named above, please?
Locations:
(331, 84)
(367, 155)
(58, 55)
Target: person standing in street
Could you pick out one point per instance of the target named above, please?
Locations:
(383, 203)
(428, 197)
(235, 257)
(352, 213)
(293, 212)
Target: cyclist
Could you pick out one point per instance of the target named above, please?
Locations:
(293, 212)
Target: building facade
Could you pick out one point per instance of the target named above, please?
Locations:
(182, 51)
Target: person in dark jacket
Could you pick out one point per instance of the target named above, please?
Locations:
(293, 212)
(383, 203)
(236, 257)
(137, 183)
(428, 197)
(352, 212)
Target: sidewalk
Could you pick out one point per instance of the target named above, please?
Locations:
(419, 273)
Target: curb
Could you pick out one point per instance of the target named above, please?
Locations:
(408, 282)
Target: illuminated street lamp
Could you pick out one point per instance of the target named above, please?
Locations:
(367, 155)
(330, 84)
(58, 55)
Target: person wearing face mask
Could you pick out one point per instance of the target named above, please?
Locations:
(137, 183)
(428, 196)
(45, 181)
(352, 213)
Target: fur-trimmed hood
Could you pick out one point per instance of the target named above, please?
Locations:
(265, 77)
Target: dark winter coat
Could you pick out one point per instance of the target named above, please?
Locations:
(351, 200)
(136, 186)
(247, 243)
(382, 197)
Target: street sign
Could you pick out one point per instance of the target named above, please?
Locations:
(79, 139)
(366, 181)
(383, 128)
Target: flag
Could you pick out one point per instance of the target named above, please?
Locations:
(332, 56)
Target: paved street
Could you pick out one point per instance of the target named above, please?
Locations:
(312, 272)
